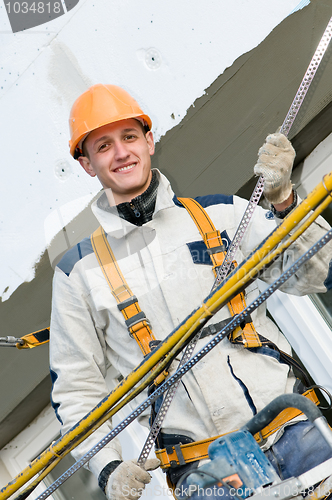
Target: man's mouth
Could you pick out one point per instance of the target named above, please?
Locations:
(127, 167)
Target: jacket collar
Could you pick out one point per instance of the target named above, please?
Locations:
(118, 227)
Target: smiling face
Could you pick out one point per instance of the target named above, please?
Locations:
(119, 154)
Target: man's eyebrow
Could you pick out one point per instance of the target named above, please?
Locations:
(131, 129)
(107, 137)
(104, 138)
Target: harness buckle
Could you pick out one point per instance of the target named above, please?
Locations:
(177, 448)
(211, 235)
(127, 302)
(135, 320)
(218, 249)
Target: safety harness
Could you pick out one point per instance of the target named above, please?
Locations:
(135, 319)
(247, 335)
(174, 456)
(140, 329)
(137, 323)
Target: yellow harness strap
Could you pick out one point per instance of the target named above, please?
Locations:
(246, 336)
(136, 321)
(198, 450)
(34, 339)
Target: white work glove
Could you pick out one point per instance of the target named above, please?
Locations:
(128, 480)
(275, 163)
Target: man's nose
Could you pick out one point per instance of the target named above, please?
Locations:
(120, 150)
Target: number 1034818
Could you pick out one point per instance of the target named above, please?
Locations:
(33, 8)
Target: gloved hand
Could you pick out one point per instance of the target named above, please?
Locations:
(275, 163)
(128, 480)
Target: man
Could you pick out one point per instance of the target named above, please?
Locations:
(164, 261)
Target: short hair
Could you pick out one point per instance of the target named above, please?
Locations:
(85, 149)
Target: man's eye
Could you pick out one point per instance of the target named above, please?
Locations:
(130, 137)
(102, 146)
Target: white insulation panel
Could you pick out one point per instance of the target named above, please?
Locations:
(164, 53)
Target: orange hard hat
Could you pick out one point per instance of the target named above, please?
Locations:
(98, 106)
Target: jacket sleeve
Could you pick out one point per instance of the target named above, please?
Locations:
(78, 365)
(311, 277)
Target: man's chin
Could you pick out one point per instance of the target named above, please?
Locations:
(126, 194)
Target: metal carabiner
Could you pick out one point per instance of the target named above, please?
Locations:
(10, 341)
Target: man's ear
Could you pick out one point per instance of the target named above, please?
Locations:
(85, 163)
(150, 141)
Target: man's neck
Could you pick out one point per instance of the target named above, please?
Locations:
(139, 209)
(115, 199)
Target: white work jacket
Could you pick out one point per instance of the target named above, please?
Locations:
(168, 269)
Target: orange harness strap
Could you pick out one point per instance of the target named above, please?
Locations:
(246, 336)
(136, 321)
(198, 450)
